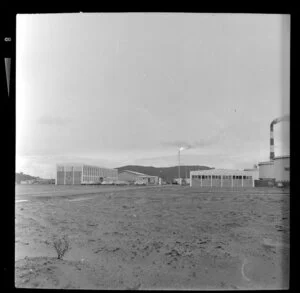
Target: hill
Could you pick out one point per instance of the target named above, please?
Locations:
(21, 176)
(167, 173)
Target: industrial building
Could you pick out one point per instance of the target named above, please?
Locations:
(277, 169)
(76, 174)
(133, 177)
(254, 172)
(266, 170)
(221, 178)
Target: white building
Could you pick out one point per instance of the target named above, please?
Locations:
(76, 174)
(282, 169)
(137, 177)
(254, 172)
(221, 178)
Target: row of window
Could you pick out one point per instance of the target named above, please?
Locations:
(219, 177)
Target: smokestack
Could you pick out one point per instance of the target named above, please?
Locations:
(275, 121)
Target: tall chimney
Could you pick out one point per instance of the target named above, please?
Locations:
(275, 121)
(272, 154)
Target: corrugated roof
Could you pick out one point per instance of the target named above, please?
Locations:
(219, 172)
(136, 173)
(81, 164)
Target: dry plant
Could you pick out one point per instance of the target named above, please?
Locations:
(61, 246)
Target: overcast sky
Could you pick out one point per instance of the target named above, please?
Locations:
(119, 89)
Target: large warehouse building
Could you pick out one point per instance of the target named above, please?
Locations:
(135, 177)
(76, 174)
(221, 178)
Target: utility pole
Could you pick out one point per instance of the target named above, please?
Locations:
(179, 166)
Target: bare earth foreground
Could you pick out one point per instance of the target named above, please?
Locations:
(152, 237)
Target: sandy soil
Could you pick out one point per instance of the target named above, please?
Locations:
(152, 238)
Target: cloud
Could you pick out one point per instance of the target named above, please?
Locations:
(53, 120)
(186, 144)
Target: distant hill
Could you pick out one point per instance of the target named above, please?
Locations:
(167, 173)
(21, 176)
(35, 180)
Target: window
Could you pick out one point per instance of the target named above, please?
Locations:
(233, 177)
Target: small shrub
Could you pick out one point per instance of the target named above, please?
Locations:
(61, 246)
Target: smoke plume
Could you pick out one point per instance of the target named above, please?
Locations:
(283, 118)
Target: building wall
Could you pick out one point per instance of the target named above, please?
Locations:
(227, 181)
(92, 174)
(216, 181)
(248, 182)
(60, 175)
(282, 169)
(266, 170)
(83, 174)
(206, 181)
(222, 180)
(69, 175)
(129, 177)
(196, 182)
(237, 182)
(253, 172)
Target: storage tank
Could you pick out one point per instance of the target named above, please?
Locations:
(282, 168)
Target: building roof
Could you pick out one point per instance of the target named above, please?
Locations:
(137, 173)
(266, 163)
(272, 162)
(80, 165)
(219, 172)
(282, 157)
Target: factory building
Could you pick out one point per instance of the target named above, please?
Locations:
(277, 168)
(76, 174)
(133, 177)
(221, 178)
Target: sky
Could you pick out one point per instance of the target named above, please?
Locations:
(115, 89)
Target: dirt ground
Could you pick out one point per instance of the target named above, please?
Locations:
(166, 237)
